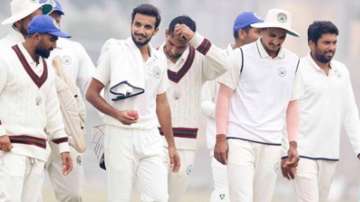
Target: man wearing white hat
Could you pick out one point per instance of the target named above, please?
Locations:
(29, 113)
(243, 34)
(78, 67)
(254, 106)
(22, 11)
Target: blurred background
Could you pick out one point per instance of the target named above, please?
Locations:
(91, 22)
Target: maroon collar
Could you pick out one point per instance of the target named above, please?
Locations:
(177, 76)
(39, 81)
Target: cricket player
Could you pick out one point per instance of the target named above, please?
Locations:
(255, 104)
(30, 113)
(191, 60)
(78, 66)
(133, 76)
(243, 34)
(326, 105)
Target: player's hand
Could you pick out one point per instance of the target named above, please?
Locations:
(293, 157)
(183, 32)
(5, 144)
(66, 162)
(127, 117)
(287, 172)
(221, 149)
(289, 164)
(174, 159)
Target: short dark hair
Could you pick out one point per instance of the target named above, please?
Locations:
(182, 19)
(147, 9)
(318, 28)
(246, 29)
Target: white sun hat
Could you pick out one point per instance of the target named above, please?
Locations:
(22, 8)
(277, 18)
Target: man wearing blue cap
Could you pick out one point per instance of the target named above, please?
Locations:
(29, 113)
(254, 106)
(78, 68)
(242, 31)
(243, 34)
(22, 11)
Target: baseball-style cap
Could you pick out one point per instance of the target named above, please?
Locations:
(44, 24)
(245, 19)
(58, 8)
(277, 18)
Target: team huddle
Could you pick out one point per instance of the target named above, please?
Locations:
(267, 110)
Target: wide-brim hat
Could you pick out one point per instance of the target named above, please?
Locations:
(277, 18)
(23, 8)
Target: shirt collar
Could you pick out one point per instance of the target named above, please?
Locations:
(131, 43)
(315, 65)
(264, 54)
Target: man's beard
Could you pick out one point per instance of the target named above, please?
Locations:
(140, 44)
(42, 52)
(322, 58)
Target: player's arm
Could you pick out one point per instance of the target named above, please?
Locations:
(164, 116)
(215, 59)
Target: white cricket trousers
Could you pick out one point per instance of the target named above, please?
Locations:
(135, 156)
(252, 170)
(21, 178)
(220, 192)
(313, 180)
(67, 188)
(179, 181)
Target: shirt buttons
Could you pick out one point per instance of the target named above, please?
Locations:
(176, 95)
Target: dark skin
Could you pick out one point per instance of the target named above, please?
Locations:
(177, 41)
(272, 40)
(246, 36)
(323, 51)
(31, 44)
(142, 31)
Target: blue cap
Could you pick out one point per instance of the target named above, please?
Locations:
(58, 8)
(245, 19)
(44, 24)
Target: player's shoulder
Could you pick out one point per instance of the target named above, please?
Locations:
(290, 54)
(339, 66)
(113, 44)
